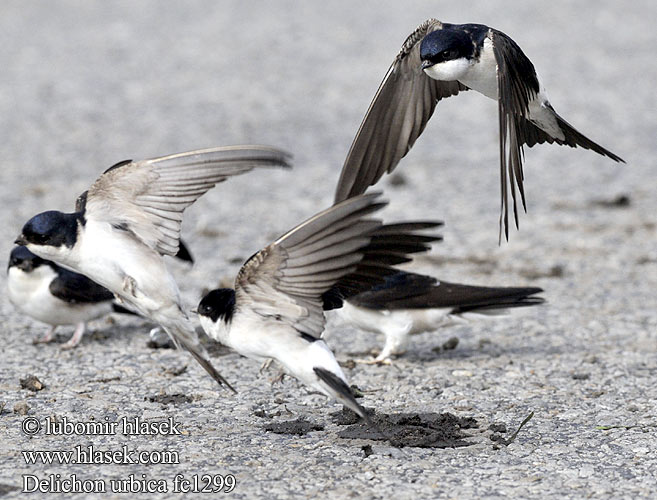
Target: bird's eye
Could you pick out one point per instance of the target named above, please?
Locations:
(449, 54)
(38, 238)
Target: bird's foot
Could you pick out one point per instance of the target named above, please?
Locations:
(49, 336)
(265, 366)
(278, 379)
(76, 338)
(374, 361)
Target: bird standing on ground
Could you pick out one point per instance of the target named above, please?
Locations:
(409, 303)
(130, 218)
(439, 60)
(56, 296)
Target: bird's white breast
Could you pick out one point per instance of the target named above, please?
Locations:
(405, 321)
(482, 74)
(107, 255)
(30, 294)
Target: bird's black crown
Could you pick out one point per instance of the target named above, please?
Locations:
(22, 258)
(51, 228)
(446, 45)
(219, 303)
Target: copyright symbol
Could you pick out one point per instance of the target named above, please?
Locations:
(30, 426)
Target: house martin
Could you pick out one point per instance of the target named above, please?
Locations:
(408, 303)
(130, 218)
(56, 296)
(276, 310)
(439, 60)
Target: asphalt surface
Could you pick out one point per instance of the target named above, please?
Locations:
(86, 84)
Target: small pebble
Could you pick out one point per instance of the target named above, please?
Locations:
(31, 383)
(21, 408)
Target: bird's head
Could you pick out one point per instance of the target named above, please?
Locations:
(21, 258)
(50, 235)
(446, 54)
(217, 304)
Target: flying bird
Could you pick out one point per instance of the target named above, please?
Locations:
(439, 60)
(130, 218)
(276, 310)
(408, 303)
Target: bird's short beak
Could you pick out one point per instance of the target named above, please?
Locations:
(21, 240)
(425, 64)
(195, 310)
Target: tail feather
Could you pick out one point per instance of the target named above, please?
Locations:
(530, 134)
(415, 291)
(342, 392)
(184, 337)
(500, 305)
(117, 308)
(184, 253)
(575, 138)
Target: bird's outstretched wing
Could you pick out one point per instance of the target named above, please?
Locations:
(398, 114)
(148, 197)
(289, 279)
(518, 85)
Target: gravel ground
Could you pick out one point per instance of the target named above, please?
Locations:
(86, 84)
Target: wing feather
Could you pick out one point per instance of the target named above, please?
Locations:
(397, 116)
(148, 197)
(517, 86)
(334, 254)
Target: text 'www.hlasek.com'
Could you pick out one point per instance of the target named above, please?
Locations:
(123, 454)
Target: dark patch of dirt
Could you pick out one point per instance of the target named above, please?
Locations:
(105, 380)
(31, 383)
(175, 371)
(620, 201)
(349, 364)
(297, 427)
(170, 399)
(156, 345)
(356, 391)
(450, 344)
(397, 179)
(556, 271)
(7, 488)
(420, 430)
(499, 427)
(216, 350)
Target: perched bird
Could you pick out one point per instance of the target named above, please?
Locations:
(56, 296)
(409, 303)
(130, 218)
(276, 309)
(438, 60)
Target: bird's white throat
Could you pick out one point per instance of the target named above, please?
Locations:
(449, 71)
